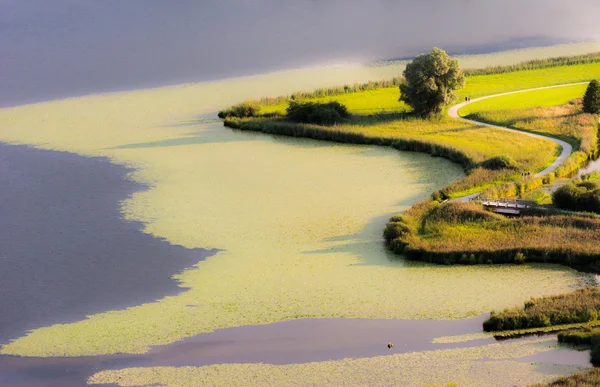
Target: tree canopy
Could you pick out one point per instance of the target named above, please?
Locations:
(591, 99)
(430, 82)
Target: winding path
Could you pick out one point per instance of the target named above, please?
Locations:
(567, 149)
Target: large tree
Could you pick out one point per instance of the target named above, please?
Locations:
(430, 82)
(591, 99)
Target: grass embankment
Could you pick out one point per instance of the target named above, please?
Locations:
(378, 118)
(551, 112)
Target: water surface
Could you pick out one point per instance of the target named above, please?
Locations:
(66, 250)
(67, 47)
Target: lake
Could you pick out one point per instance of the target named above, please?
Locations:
(262, 240)
(65, 47)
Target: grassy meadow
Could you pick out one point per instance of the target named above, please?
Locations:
(386, 99)
(551, 112)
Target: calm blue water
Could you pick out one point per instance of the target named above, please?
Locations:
(65, 251)
(60, 48)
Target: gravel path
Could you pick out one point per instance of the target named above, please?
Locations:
(567, 149)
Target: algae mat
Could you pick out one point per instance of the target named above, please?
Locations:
(299, 222)
(464, 366)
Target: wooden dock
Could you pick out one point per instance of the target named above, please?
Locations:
(505, 206)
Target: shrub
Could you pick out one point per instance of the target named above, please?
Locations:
(395, 230)
(398, 218)
(579, 195)
(317, 113)
(591, 99)
(243, 110)
(500, 162)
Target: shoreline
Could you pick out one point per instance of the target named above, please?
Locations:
(390, 69)
(44, 238)
(301, 341)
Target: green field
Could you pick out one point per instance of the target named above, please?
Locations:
(527, 100)
(386, 99)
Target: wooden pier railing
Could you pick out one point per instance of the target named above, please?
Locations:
(505, 206)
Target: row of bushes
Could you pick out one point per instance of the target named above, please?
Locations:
(580, 195)
(480, 174)
(581, 306)
(537, 64)
(332, 91)
(292, 129)
(242, 110)
(405, 247)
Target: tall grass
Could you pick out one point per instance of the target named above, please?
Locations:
(589, 378)
(537, 64)
(580, 306)
(579, 337)
(469, 145)
(333, 91)
(465, 233)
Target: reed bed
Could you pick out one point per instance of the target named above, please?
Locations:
(589, 378)
(469, 145)
(465, 233)
(580, 306)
